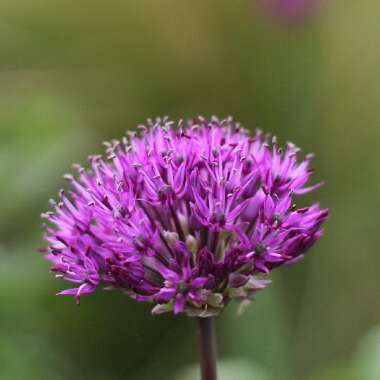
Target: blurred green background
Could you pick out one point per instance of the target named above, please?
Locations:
(74, 73)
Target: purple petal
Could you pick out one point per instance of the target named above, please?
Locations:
(179, 304)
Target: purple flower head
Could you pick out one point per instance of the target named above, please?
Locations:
(291, 10)
(186, 217)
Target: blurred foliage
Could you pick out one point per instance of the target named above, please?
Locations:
(366, 361)
(230, 369)
(75, 73)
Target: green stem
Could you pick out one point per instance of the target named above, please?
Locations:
(207, 348)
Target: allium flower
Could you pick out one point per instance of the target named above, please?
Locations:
(291, 10)
(186, 217)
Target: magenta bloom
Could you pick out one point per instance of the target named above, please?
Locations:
(291, 10)
(186, 217)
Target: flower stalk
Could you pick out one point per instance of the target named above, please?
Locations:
(207, 348)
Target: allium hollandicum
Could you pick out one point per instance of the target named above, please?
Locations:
(292, 10)
(186, 216)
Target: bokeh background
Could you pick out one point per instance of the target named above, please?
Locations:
(73, 73)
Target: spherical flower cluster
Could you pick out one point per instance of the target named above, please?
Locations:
(186, 217)
(291, 10)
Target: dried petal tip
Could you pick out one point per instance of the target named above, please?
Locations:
(188, 218)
